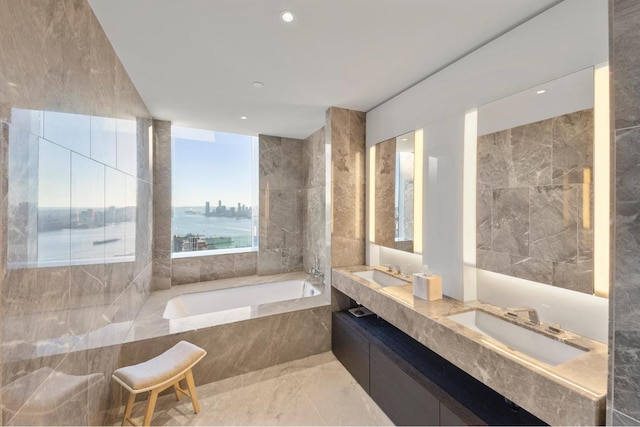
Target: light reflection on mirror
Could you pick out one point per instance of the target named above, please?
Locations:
(72, 182)
(392, 175)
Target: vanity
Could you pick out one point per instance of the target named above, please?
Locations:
(432, 357)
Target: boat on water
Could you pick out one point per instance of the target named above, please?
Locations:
(102, 242)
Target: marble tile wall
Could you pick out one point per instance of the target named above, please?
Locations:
(212, 267)
(314, 226)
(623, 403)
(162, 275)
(281, 203)
(531, 220)
(385, 213)
(75, 128)
(345, 133)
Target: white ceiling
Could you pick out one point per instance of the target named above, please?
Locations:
(193, 61)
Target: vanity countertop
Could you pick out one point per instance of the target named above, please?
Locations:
(571, 393)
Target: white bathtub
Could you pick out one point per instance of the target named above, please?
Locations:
(222, 300)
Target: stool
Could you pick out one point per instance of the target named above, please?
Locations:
(158, 374)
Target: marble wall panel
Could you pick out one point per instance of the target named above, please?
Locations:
(623, 398)
(162, 274)
(22, 31)
(212, 267)
(624, 62)
(345, 134)
(281, 204)
(56, 64)
(531, 183)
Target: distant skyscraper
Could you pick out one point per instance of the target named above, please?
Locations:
(207, 208)
(219, 203)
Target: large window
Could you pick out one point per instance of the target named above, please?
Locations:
(214, 192)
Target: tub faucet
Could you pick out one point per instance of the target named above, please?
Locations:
(315, 269)
(532, 314)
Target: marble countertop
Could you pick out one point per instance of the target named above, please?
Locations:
(571, 393)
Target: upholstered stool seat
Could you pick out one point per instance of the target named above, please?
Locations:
(158, 374)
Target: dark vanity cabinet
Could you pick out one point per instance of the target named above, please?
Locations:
(412, 384)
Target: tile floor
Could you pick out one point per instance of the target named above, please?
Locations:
(316, 390)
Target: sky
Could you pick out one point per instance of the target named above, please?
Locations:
(210, 166)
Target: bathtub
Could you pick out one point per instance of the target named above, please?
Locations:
(237, 300)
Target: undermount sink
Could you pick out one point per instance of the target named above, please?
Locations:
(538, 346)
(380, 278)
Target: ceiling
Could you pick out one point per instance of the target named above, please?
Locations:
(194, 61)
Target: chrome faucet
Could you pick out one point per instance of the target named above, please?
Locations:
(315, 270)
(393, 268)
(532, 314)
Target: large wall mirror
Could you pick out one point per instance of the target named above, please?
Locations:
(535, 187)
(396, 199)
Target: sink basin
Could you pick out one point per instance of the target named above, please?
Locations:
(538, 346)
(380, 278)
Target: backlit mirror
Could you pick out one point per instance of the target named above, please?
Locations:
(536, 184)
(395, 196)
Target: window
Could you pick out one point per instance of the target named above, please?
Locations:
(214, 192)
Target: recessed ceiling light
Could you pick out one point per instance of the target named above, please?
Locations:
(12, 84)
(404, 139)
(257, 85)
(243, 117)
(287, 16)
(541, 91)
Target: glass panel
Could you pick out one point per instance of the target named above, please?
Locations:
(103, 140)
(131, 205)
(115, 215)
(214, 190)
(127, 155)
(54, 199)
(87, 209)
(72, 131)
(23, 197)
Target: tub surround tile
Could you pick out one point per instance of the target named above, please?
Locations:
(483, 219)
(281, 204)
(277, 338)
(620, 419)
(570, 393)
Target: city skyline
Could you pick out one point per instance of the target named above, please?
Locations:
(212, 166)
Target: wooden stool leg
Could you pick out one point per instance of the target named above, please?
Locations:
(175, 390)
(191, 385)
(153, 397)
(129, 408)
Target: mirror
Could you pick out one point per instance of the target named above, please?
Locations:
(394, 163)
(535, 184)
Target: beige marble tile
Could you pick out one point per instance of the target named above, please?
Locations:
(313, 391)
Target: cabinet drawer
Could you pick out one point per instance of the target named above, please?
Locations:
(404, 400)
(352, 350)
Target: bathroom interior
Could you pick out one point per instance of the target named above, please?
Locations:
(508, 171)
